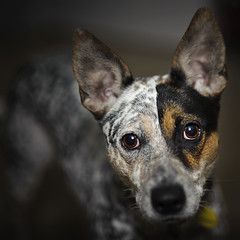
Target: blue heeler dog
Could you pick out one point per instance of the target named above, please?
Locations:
(161, 134)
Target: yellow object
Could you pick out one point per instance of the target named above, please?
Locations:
(207, 217)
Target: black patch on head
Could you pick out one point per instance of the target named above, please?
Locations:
(178, 78)
(205, 109)
(128, 81)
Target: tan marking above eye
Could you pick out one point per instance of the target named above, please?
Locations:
(148, 126)
(169, 119)
(170, 114)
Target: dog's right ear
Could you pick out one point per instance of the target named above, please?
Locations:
(101, 73)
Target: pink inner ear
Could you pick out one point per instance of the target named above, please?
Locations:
(102, 86)
(200, 74)
(107, 93)
(105, 90)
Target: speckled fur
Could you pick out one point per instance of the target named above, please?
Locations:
(45, 121)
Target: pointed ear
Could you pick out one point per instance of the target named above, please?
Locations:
(100, 72)
(200, 55)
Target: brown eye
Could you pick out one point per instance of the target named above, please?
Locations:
(191, 131)
(130, 141)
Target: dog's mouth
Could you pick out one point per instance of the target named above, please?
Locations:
(173, 220)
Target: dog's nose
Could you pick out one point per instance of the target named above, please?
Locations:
(168, 199)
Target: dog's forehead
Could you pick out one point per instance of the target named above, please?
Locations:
(139, 98)
(134, 111)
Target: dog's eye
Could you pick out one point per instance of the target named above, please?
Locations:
(191, 131)
(130, 141)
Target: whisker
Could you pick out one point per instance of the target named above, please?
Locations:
(204, 202)
(129, 193)
(127, 189)
(219, 180)
(224, 180)
(133, 208)
(207, 190)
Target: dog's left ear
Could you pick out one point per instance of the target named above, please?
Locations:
(200, 56)
(101, 73)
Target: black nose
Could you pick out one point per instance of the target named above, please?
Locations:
(168, 199)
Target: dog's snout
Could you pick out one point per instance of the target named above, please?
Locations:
(168, 199)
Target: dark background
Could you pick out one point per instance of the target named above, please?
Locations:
(145, 34)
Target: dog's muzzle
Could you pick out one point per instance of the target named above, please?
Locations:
(170, 193)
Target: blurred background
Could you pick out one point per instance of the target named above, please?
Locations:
(145, 34)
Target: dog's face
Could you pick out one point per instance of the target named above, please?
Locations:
(161, 132)
(161, 137)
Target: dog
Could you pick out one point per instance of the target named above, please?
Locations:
(160, 132)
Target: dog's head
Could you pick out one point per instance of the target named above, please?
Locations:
(161, 132)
